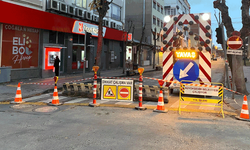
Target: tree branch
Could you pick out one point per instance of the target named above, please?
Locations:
(226, 19)
(245, 19)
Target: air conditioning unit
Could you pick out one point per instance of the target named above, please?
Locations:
(95, 18)
(106, 23)
(71, 10)
(119, 27)
(53, 4)
(113, 24)
(63, 7)
(79, 12)
(87, 15)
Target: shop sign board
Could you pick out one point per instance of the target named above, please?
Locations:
(19, 47)
(80, 28)
(116, 89)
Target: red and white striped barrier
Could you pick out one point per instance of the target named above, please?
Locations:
(54, 83)
(200, 85)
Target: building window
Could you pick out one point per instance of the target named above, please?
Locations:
(115, 12)
(158, 22)
(170, 11)
(154, 20)
(161, 24)
(154, 4)
(161, 10)
(80, 3)
(158, 7)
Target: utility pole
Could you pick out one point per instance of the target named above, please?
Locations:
(225, 53)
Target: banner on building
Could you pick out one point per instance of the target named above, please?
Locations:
(19, 47)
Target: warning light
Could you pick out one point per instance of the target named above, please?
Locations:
(186, 54)
(140, 70)
(95, 68)
(55, 79)
(161, 82)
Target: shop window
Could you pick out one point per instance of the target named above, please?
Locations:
(74, 53)
(52, 36)
(115, 12)
(81, 39)
(60, 38)
(75, 38)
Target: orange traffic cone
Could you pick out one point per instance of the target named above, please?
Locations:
(55, 100)
(244, 115)
(18, 98)
(160, 105)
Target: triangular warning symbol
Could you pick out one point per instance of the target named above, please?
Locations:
(109, 93)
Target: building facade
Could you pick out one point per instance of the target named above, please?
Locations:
(176, 7)
(33, 32)
(148, 14)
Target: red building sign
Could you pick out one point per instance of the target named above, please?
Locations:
(19, 46)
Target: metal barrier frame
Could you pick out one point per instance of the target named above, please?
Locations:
(201, 100)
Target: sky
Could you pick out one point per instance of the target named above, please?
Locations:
(203, 6)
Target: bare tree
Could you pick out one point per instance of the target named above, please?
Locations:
(226, 19)
(102, 6)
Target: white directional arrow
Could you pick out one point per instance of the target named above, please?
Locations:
(183, 73)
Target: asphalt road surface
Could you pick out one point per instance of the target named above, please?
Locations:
(103, 128)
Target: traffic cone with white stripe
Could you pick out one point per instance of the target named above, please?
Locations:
(244, 115)
(160, 105)
(18, 98)
(55, 100)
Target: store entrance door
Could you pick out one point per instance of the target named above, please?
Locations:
(77, 58)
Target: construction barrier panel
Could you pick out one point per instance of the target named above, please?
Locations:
(190, 88)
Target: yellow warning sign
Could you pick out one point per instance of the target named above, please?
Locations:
(124, 92)
(109, 92)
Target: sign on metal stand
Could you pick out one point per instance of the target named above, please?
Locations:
(196, 88)
(116, 89)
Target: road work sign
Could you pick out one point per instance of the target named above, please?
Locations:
(215, 90)
(115, 89)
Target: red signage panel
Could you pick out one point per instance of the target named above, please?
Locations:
(124, 92)
(234, 42)
(20, 46)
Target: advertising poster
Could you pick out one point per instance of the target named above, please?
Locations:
(19, 47)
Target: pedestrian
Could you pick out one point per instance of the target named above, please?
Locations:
(56, 65)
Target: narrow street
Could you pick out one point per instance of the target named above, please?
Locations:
(83, 127)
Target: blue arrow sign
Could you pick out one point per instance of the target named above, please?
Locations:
(186, 69)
